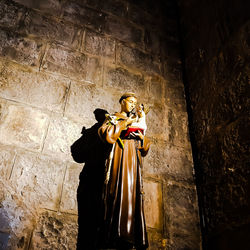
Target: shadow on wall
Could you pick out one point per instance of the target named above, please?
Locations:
(4, 235)
(10, 222)
(4, 238)
(89, 149)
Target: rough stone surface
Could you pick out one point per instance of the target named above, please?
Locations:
(153, 204)
(122, 80)
(178, 124)
(117, 8)
(37, 89)
(157, 121)
(38, 179)
(123, 31)
(84, 99)
(175, 98)
(83, 16)
(50, 29)
(156, 89)
(19, 49)
(136, 59)
(16, 219)
(71, 181)
(52, 7)
(217, 83)
(59, 62)
(7, 158)
(181, 216)
(23, 126)
(74, 65)
(62, 132)
(10, 14)
(96, 44)
(169, 161)
(55, 231)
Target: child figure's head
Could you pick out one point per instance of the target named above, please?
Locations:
(142, 110)
(139, 110)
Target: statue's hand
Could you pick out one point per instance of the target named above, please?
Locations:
(130, 120)
(138, 135)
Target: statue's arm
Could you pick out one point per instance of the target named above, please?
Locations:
(145, 146)
(110, 132)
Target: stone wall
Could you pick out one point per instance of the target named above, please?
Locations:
(216, 39)
(59, 61)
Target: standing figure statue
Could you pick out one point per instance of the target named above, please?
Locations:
(124, 223)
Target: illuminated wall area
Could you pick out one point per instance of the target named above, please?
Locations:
(59, 61)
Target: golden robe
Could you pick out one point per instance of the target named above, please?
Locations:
(124, 222)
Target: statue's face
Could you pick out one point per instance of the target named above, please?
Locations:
(128, 104)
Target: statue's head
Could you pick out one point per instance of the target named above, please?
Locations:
(128, 102)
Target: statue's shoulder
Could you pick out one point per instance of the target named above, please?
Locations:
(114, 118)
(120, 116)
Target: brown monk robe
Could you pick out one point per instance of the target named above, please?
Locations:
(124, 222)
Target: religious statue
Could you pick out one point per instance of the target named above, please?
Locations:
(124, 223)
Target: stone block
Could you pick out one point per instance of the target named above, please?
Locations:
(136, 59)
(83, 16)
(156, 89)
(49, 29)
(175, 98)
(24, 127)
(138, 16)
(170, 48)
(61, 134)
(167, 161)
(178, 125)
(114, 7)
(153, 204)
(55, 231)
(123, 31)
(172, 70)
(35, 88)
(122, 80)
(52, 7)
(84, 99)
(181, 214)
(96, 44)
(153, 41)
(38, 179)
(70, 185)
(7, 158)
(181, 198)
(10, 14)
(157, 123)
(73, 65)
(20, 49)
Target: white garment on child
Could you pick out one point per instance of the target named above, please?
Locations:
(140, 123)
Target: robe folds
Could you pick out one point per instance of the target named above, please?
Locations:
(124, 222)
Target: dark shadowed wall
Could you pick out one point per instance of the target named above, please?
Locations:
(59, 61)
(216, 43)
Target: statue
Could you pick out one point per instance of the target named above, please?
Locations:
(124, 223)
